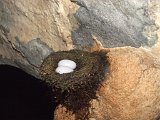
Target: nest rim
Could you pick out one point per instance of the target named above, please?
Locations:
(88, 66)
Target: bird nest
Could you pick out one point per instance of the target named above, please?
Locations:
(77, 88)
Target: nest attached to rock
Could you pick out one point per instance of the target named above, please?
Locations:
(79, 87)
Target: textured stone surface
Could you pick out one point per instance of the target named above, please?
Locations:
(47, 20)
(117, 23)
(131, 89)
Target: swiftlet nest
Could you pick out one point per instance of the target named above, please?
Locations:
(74, 90)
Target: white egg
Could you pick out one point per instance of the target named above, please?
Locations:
(67, 63)
(62, 70)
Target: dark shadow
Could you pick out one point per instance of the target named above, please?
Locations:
(23, 97)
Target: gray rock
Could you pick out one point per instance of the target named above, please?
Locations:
(35, 51)
(115, 23)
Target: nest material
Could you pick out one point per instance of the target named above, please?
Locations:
(75, 89)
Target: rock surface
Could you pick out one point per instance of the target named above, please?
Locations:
(116, 23)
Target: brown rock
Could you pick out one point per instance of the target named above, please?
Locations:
(61, 113)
